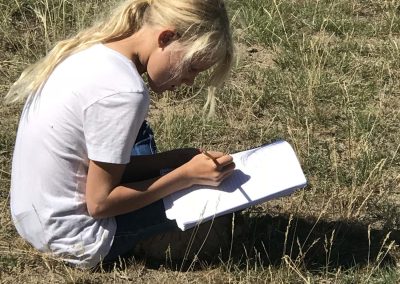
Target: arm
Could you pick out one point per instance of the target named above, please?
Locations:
(105, 197)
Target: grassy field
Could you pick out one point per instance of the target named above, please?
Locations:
(323, 75)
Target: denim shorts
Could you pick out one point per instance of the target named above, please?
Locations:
(142, 223)
(145, 143)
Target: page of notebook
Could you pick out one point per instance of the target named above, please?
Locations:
(261, 173)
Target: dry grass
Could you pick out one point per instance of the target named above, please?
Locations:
(324, 75)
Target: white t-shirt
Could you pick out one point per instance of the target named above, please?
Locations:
(91, 108)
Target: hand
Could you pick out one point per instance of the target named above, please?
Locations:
(209, 169)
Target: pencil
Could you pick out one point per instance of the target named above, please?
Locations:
(211, 157)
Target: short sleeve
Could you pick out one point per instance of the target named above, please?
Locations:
(111, 125)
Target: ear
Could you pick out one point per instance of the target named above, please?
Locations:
(166, 37)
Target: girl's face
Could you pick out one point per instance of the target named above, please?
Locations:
(165, 70)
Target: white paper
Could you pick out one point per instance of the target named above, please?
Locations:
(261, 174)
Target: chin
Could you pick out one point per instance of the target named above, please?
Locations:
(155, 89)
(158, 90)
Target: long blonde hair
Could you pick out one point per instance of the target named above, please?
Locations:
(203, 26)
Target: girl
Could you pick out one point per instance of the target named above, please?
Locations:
(76, 192)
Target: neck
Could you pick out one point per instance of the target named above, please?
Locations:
(141, 67)
(135, 48)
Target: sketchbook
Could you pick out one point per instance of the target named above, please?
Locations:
(261, 174)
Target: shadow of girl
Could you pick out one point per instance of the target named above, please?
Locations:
(267, 240)
(313, 244)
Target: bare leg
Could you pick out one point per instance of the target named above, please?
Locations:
(149, 166)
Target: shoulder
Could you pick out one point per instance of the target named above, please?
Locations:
(103, 68)
(119, 102)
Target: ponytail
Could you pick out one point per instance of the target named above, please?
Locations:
(126, 20)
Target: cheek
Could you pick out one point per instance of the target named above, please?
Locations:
(159, 69)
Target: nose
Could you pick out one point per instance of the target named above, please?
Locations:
(188, 82)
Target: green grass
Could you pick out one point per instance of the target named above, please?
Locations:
(324, 75)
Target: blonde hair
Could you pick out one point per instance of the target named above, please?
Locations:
(203, 27)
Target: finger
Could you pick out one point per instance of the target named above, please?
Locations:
(225, 160)
(226, 171)
(211, 157)
(224, 175)
(229, 167)
(214, 154)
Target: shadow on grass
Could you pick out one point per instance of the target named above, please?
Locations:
(313, 244)
(266, 240)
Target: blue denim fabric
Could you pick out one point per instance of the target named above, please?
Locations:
(145, 222)
(145, 143)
